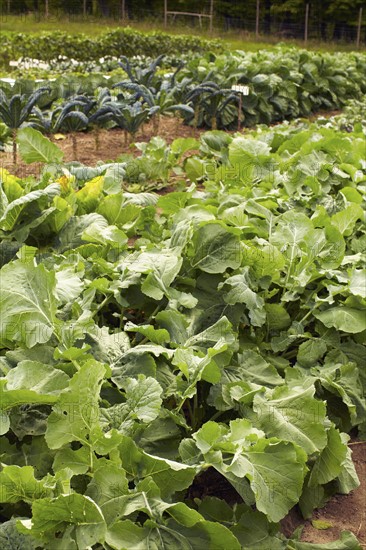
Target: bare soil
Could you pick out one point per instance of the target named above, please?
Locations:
(343, 512)
(111, 145)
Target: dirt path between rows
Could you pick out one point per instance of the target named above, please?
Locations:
(112, 143)
(342, 513)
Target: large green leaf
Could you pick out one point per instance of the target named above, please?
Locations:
(216, 249)
(170, 476)
(18, 484)
(343, 318)
(330, 461)
(109, 489)
(75, 516)
(345, 219)
(357, 284)
(75, 416)
(143, 403)
(275, 469)
(161, 268)
(29, 382)
(293, 415)
(34, 147)
(35, 376)
(31, 204)
(256, 369)
(241, 292)
(255, 532)
(27, 303)
(125, 534)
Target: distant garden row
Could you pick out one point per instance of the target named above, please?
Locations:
(50, 45)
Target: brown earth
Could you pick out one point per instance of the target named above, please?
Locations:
(343, 512)
(111, 145)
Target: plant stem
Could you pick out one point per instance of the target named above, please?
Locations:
(177, 122)
(216, 415)
(91, 456)
(156, 310)
(191, 414)
(97, 140)
(156, 124)
(195, 119)
(74, 146)
(102, 304)
(239, 111)
(15, 147)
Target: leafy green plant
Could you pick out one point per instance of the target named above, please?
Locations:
(284, 83)
(48, 46)
(162, 101)
(34, 147)
(144, 76)
(16, 111)
(213, 105)
(151, 343)
(130, 118)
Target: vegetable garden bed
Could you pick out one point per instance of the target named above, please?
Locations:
(149, 339)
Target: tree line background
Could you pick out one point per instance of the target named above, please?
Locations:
(328, 19)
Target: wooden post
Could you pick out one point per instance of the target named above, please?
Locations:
(165, 13)
(84, 8)
(359, 28)
(239, 110)
(123, 10)
(306, 24)
(8, 3)
(46, 10)
(211, 15)
(257, 20)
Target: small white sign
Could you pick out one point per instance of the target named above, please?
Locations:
(244, 90)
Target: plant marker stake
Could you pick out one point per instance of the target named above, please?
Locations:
(242, 90)
(211, 15)
(359, 28)
(306, 23)
(239, 111)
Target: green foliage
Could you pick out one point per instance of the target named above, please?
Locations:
(4, 134)
(147, 340)
(129, 42)
(283, 84)
(16, 110)
(33, 147)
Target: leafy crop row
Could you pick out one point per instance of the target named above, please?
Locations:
(200, 92)
(148, 340)
(54, 44)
